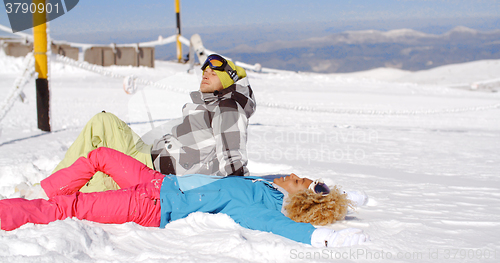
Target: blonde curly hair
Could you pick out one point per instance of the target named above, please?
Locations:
(308, 207)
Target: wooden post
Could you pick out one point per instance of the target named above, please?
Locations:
(41, 67)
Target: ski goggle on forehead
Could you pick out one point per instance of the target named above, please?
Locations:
(219, 63)
(318, 187)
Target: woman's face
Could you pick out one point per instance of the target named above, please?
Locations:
(293, 183)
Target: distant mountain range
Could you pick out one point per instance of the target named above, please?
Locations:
(352, 51)
(333, 47)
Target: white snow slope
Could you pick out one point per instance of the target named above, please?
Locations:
(427, 155)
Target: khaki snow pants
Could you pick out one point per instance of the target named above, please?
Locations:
(106, 130)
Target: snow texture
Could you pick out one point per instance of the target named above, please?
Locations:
(433, 180)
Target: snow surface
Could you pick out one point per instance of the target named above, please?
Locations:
(432, 179)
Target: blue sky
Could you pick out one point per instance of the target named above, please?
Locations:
(116, 15)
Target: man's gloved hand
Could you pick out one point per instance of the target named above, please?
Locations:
(324, 237)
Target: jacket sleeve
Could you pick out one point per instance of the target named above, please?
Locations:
(230, 131)
(258, 217)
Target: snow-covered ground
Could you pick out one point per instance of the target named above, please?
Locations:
(427, 155)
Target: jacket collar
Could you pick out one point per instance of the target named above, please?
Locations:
(281, 195)
(243, 95)
(208, 97)
(285, 197)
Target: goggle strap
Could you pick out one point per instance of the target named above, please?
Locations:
(232, 73)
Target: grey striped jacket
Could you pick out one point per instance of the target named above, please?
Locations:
(211, 138)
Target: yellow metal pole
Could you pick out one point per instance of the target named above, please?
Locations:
(41, 67)
(178, 17)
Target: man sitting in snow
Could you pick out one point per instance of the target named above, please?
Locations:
(287, 206)
(211, 139)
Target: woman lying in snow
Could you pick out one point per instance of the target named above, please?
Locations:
(152, 199)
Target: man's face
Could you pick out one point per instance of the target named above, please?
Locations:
(293, 183)
(210, 82)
